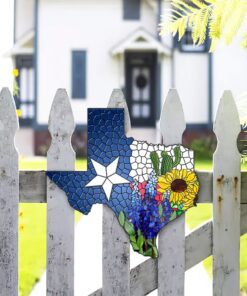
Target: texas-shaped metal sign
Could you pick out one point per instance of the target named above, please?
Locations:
(145, 185)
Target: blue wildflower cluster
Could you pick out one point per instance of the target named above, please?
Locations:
(147, 216)
(150, 211)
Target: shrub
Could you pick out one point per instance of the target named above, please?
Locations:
(203, 148)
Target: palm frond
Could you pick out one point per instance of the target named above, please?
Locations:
(220, 19)
(234, 23)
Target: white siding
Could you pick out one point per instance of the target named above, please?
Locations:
(166, 79)
(229, 71)
(24, 17)
(191, 81)
(95, 26)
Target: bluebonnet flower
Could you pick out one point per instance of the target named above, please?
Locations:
(151, 185)
(145, 213)
(167, 209)
(148, 219)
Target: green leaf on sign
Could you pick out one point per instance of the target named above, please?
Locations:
(173, 216)
(163, 169)
(140, 241)
(155, 252)
(167, 163)
(155, 161)
(160, 209)
(134, 245)
(178, 156)
(129, 228)
(150, 242)
(133, 238)
(148, 252)
(121, 218)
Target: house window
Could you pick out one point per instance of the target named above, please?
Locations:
(25, 100)
(79, 74)
(131, 9)
(186, 43)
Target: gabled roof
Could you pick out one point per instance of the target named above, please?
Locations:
(24, 45)
(140, 40)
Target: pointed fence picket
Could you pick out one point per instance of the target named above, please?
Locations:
(9, 196)
(226, 199)
(116, 249)
(226, 188)
(171, 261)
(60, 217)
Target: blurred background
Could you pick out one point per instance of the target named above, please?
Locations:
(90, 47)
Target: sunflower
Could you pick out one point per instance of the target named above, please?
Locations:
(183, 186)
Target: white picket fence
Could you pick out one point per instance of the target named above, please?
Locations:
(225, 187)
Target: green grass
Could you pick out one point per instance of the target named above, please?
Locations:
(32, 245)
(32, 231)
(39, 163)
(203, 212)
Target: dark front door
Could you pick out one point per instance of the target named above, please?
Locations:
(140, 77)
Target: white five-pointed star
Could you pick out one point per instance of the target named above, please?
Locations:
(106, 177)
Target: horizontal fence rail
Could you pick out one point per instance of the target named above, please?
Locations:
(33, 186)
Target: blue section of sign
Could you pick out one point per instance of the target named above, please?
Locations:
(107, 144)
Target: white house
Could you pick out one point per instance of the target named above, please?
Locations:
(90, 47)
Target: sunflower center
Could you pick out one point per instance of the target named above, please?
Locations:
(178, 185)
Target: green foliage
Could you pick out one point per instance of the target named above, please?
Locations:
(121, 218)
(129, 228)
(155, 161)
(178, 156)
(144, 246)
(222, 19)
(167, 162)
(203, 148)
(140, 241)
(173, 216)
(133, 242)
(154, 252)
(160, 209)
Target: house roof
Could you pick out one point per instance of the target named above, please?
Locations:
(24, 45)
(140, 40)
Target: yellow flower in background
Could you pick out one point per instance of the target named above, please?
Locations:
(183, 186)
(15, 72)
(18, 112)
(21, 227)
